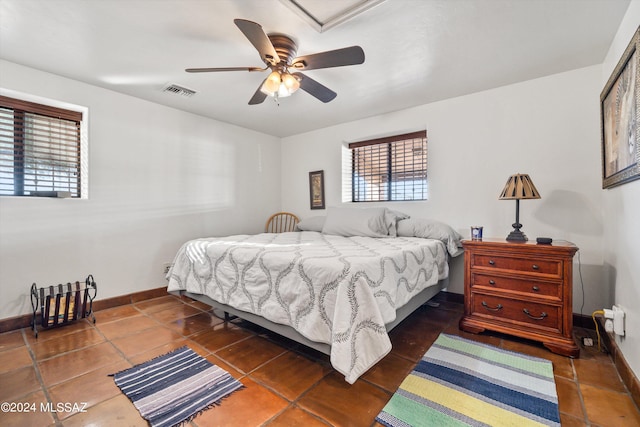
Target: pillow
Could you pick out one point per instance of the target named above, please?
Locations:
(392, 217)
(314, 223)
(368, 222)
(430, 229)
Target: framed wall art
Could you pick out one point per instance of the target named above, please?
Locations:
(619, 118)
(316, 189)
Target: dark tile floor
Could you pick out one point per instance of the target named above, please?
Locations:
(67, 369)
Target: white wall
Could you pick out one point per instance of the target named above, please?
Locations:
(158, 176)
(548, 128)
(621, 210)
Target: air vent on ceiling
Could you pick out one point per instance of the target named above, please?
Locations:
(179, 90)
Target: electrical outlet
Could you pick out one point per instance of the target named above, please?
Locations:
(608, 325)
(618, 320)
(166, 267)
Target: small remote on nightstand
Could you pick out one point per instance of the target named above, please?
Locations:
(544, 240)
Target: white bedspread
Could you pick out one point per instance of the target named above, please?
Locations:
(331, 289)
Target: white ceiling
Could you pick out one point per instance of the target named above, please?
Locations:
(417, 51)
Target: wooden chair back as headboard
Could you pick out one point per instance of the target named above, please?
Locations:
(281, 222)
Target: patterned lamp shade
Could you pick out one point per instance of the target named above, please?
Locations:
(519, 186)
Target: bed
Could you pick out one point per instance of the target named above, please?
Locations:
(337, 294)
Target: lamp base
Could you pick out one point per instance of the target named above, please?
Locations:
(517, 236)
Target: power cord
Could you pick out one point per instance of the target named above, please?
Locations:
(593, 316)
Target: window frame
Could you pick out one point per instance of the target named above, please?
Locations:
(20, 109)
(389, 141)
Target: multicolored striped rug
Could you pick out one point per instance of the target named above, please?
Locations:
(175, 387)
(460, 382)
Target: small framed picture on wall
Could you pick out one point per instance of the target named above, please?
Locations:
(316, 189)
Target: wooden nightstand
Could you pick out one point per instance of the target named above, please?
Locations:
(523, 289)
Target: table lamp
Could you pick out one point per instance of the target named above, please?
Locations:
(519, 187)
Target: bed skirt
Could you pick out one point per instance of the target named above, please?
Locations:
(289, 332)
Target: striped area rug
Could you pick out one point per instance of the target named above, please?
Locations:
(460, 382)
(175, 387)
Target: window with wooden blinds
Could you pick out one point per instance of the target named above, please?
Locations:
(390, 169)
(39, 149)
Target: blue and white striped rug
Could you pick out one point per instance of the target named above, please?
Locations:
(460, 382)
(175, 387)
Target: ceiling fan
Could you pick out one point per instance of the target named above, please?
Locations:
(279, 54)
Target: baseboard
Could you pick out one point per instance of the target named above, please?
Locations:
(24, 321)
(583, 321)
(627, 375)
(449, 297)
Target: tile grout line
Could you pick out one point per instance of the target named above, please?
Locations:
(293, 404)
(125, 357)
(68, 351)
(106, 340)
(585, 415)
(43, 387)
(60, 423)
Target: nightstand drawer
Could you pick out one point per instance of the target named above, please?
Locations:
(530, 287)
(531, 265)
(544, 316)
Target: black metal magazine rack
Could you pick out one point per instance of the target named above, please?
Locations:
(62, 304)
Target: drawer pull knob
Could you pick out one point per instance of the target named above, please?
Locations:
(492, 282)
(492, 262)
(542, 316)
(497, 308)
(536, 289)
(535, 267)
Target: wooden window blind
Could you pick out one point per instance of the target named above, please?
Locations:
(390, 169)
(39, 149)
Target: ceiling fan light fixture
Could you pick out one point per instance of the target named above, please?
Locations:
(290, 82)
(283, 92)
(272, 83)
(280, 84)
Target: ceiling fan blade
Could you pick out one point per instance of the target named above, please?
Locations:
(332, 58)
(259, 40)
(314, 88)
(213, 70)
(259, 96)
